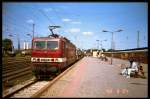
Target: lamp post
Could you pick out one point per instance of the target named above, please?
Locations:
(29, 35)
(101, 43)
(97, 47)
(97, 44)
(17, 39)
(10, 35)
(33, 29)
(112, 42)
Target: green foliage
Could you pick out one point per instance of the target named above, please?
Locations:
(104, 50)
(110, 50)
(18, 55)
(7, 45)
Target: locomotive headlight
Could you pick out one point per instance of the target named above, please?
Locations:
(56, 60)
(33, 59)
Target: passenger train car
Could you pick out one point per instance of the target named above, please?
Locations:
(51, 54)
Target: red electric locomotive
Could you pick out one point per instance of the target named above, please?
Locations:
(51, 54)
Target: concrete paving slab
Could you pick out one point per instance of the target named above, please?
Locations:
(92, 77)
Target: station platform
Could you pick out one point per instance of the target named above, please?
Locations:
(91, 77)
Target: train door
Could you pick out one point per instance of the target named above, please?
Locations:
(67, 53)
(64, 52)
(63, 49)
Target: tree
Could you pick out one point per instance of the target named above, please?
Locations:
(110, 50)
(7, 45)
(104, 50)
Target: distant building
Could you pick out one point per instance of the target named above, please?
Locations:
(94, 53)
(25, 45)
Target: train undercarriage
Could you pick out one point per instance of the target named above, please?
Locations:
(47, 70)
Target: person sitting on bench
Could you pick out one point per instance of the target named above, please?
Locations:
(141, 71)
(133, 69)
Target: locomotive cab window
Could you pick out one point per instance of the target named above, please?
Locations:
(39, 44)
(52, 45)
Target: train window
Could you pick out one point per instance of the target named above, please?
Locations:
(52, 45)
(39, 44)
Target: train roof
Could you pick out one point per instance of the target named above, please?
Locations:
(134, 49)
(55, 36)
(129, 51)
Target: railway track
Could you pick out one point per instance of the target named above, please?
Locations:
(15, 71)
(9, 92)
(37, 88)
(15, 74)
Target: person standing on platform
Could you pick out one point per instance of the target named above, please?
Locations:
(131, 61)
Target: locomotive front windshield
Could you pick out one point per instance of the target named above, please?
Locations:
(40, 44)
(53, 45)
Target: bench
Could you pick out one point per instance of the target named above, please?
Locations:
(134, 72)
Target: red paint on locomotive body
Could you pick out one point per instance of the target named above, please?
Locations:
(47, 53)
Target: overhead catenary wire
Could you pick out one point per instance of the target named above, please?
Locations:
(17, 27)
(42, 12)
(15, 21)
(14, 32)
(20, 25)
(58, 16)
(12, 26)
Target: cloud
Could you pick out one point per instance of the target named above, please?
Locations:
(30, 21)
(74, 30)
(63, 7)
(76, 22)
(71, 21)
(47, 9)
(87, 33)
(66, 20)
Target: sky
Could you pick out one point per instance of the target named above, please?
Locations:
(81, 22)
